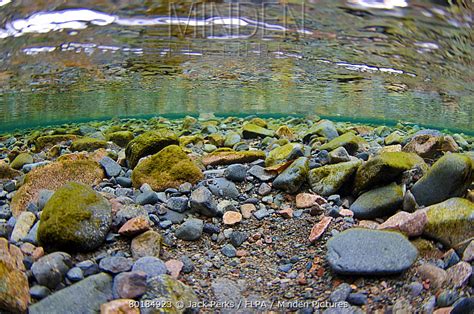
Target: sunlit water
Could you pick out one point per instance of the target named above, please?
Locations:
(359, 60)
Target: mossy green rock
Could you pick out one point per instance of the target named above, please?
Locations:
(450, 222)
(48, 141)
(291, 179)
(7, 172)
(149, 143)
(121, 138)
(164, 289)
(231, 139)
(21, 160)
(395, 137)
(76, 218)
(323, 128)
(327, 180)
(376, 203)
(385, 168)
(449, 177)
(168, 168)
(251, 130)
(227, 156)
(351, 142)
(88, 144)
(283, 153)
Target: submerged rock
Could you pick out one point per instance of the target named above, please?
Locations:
(451, 221)
(85, 296)
(385, 168)
(324, 128)
(327, 180)
(121, 138)
(14, 290)
(88, 144)
(370, 252)
(7, 172)
(149, 143)
(164, 289)
(48, 141)
(449, 177)
(251, 130)
(379, 202)
(53, 176)
(291, 179)
(21, 160)
(351, 142)
(225, 156)
(284, 153)
(429, 146)
(168, 168)
(75, 218)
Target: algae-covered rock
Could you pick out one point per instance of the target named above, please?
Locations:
(451, 221)
(7, 172)
(395, 137)
(48, 141)
(385, 168)
(383, 201)
(284, 153)
(87, 144)
(291, 179)
(75, 218)
(251, 130)
(231, 139)
(225, 156)
(215, 139)
(351, 142)
(168, 168)
(21, 160)
(323, 128)
(190, 139)
(121, 138)
(260, 122)
(149, 143)
(164, 289)
(53, 176)
(449, 177)
(285, 132)
(327, 180)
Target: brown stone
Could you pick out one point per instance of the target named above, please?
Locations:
(391, 148)
(306, 200)
(37, 253)
(130, 285)
(146, 244)
(459, 274)
(7, 173)
(286, 213)
(429, 146)
(437, 276)
(231, 218)
(411, 225)
(319, 228)
(119, 306)
(229, 156)
(14, 289)
(134, 226)
(53, 176)
(247, 210)
(174, 267)
(346, 212)
(241, 253)
(443, 310)
(368, 224)
(27, 248)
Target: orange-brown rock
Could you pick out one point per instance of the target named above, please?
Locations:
(14, 289)
(53, 176)
(319, 228)
(228, 156)
(231, 218)
(134, 226)
(120, 306)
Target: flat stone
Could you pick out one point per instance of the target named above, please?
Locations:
(115, 264)
(190, 230)
(112, 169)
(436, 276)
(151, 266)
(370, 252)
(459, 274)
(130, 285)
(174, 267)
(146, 244)
(247, 210)
(134, 226)
(147, 197)
(85, 296)
(411, 225)
(306, 200)
(291, 179)
(23, 225)
(319, 228)
(231, 218)
(177, 203)
(261, 174)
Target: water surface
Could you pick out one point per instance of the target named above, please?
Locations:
(359, 60)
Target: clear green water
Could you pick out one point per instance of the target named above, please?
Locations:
(359, 60)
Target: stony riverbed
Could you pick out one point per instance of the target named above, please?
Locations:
(236, 215)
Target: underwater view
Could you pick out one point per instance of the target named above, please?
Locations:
(237, 156)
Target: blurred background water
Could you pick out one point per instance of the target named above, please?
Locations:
(379, 61)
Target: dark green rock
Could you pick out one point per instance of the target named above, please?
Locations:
(250, 130)
(149, 143)
(291, 179)
(327, 180)
(383, 201)
(351, 142)
(449, 177)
